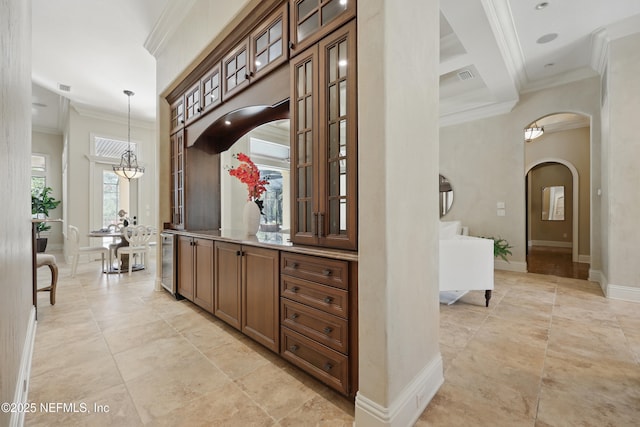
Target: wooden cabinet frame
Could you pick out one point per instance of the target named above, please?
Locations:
(311, 124)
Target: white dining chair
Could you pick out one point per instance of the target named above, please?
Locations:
(73, 240)
(138, 239)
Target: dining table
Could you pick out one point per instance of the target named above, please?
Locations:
(119, 241)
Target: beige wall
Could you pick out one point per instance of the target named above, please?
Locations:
(51, 145)
(621, 145)
(570, 146)
(494, 149)
(16, 309)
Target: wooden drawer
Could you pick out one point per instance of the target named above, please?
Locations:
(325, 298)
(325, 328)
(327, 271)
(327, 365)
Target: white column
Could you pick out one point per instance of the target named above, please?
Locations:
(398, 59)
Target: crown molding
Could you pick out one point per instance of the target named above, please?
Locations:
(559, 80)
(169, 21)
(46, 129)
(483, 112)
(90, 112)
(500, 19)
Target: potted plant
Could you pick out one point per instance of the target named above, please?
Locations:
(41, 204)
(501, 248)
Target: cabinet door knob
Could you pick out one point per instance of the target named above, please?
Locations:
(326, 272)
(290, 44)
(295, 289)
(246, 76)
(328, 330)
(328, 299)
(293, 348)
(294, 265)
(294, 316)
(328, 366)
(238, 253)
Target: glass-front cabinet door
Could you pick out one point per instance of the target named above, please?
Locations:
(313, 19)
(177, 179)
(304, 146)
(324, 142)
(269, 43)
(338, 134)
(210, 88)
(192, 103)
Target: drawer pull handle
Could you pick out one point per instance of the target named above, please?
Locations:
(326, 272)
(328, 330)
(294, 316)
(328, 300)
(293, 348)
(328, 366)
(295, 289)
(294, 265)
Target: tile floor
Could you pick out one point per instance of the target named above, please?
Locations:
(548, 351)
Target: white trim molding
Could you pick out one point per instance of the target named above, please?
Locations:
(406, 409)
(625, 293)
(22, 384)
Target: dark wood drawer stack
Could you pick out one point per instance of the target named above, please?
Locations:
(314, 317)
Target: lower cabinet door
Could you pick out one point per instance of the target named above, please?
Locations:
(327, 365)
(204, 268)
(185, 267)
(227, 283)
(260, 296)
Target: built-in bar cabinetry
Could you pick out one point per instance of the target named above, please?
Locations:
(285, 59)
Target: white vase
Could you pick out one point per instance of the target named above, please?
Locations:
(251, 218)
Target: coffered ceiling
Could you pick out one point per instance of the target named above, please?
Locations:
(491, 52)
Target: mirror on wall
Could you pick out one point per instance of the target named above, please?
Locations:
(446, 196)
(553, 203)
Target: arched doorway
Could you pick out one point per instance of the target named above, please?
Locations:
(557, 179)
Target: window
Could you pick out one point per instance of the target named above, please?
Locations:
(38, 173)
(273, 218)
(110, 197)
(112, 148)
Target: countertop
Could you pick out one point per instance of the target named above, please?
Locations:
(271, 240)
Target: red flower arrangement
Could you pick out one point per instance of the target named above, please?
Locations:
(248, 173)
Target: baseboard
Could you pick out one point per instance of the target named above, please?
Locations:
(409, 405)
(625, 293)
(550, 243)
(24, 373)
(517, 266)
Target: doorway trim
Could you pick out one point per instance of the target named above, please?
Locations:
(576, 201)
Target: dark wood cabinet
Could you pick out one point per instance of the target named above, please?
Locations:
(192, 103)
(313, 19)
(324, 142)
(195, 186)
(318, 318)
(176, 120)
(246, 289)
(260, 296)
(177, 180)
(185, 267)
(196, 271)
(228, 290)
(235, 69)
(269, 44)
(210, 88)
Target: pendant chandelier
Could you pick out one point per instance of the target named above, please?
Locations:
(128, 167)
(533, 132)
